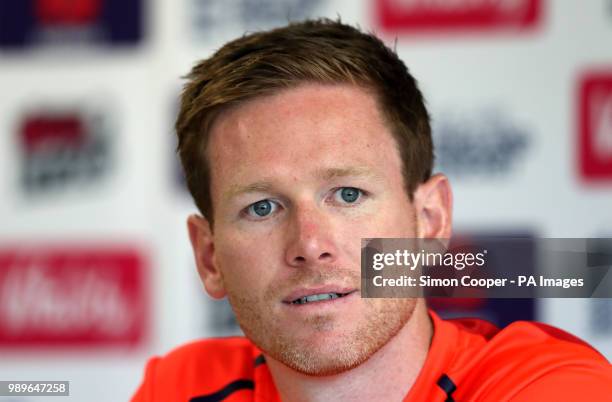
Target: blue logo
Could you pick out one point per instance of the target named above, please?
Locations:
(485, 144)
(245, 15)
(25, 23)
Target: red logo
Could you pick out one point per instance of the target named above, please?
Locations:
(68, 12)
(595, 126)
(436, 15)
(46, 131)
(71, 297)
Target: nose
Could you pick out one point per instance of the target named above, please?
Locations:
(310, 239)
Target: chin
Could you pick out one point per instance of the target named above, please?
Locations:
(322, 360)
(327, 351)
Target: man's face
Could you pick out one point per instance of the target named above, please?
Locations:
(298, 178)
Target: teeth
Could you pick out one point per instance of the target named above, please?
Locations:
(318, 297)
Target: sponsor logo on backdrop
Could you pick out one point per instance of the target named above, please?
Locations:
(241, 15)
(595, 126)
(71, 297)
(63, 148)
(444, 15)
(34, 22)
(484, 144)
(66, 13)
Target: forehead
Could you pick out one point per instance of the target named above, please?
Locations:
(298, 130)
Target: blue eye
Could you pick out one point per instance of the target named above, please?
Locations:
(261, 208)
(349, 194)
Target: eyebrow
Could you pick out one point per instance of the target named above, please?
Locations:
(264, 186)
(334, 173)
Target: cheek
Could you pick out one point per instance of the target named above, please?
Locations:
(391, 218)
(245, 261)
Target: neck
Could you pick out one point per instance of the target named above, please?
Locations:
(387, 375)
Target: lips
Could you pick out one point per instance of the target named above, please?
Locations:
(313, 295)
(318, 297)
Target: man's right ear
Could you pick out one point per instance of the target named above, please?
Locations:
(204, 253)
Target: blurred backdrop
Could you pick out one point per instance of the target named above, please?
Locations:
(96, 272)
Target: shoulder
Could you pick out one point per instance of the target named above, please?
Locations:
(198, 368)
(540, 346)
(533, 361)
(225, 355)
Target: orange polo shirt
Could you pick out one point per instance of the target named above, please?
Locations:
(468, 360)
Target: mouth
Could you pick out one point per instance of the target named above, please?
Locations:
(317, 296)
